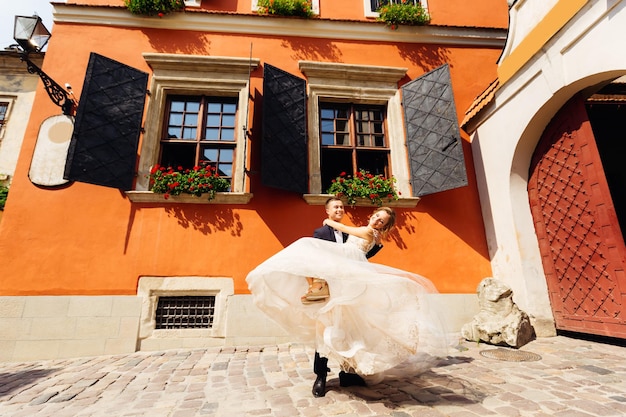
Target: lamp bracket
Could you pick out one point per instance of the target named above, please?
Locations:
(57, 94)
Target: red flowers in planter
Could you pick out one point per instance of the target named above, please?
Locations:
(197, 181)
(363, 184)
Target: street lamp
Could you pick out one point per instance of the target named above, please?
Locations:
(31, 35)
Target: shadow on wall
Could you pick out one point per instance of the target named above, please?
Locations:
(405, 220)
(312, 51)
(163, 42)
(424, 56)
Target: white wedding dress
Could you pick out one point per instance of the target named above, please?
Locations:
(378, 319)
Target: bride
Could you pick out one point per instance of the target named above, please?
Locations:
(377, 321)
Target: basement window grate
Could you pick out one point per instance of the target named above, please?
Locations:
(185, 312)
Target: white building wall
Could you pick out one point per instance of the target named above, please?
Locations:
(17, 87)
(583, 54)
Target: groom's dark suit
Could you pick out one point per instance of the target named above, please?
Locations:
(328, 233)
(346, 379)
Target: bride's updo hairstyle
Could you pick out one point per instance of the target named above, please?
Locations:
(392, 219)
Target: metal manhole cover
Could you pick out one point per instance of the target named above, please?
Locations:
(510, 355)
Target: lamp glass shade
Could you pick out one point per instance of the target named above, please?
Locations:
(30, 33)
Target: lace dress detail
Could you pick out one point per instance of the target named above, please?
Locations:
(378, 319)
(363, 245)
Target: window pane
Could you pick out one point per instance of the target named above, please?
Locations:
(327, 126)
(376, 162)
(225, 170)
(228, 134)
(193, 106)
(178, 154)
(228, 120)
(191, 119)
(213, 120)
(220, 158)
(178, 106)
(328, 139)
(212, 134)
(342, 126)
(214, 107)
(176, 119)
(189, 133)
(173, 133)
(343, 139)
(327, 114)
(343, 114)
(230, 107)
(210, 155)
(226, 155)
(334, 162)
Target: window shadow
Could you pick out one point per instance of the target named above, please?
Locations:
(207, 219)
(14, 381)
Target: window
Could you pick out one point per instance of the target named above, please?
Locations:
(185, 312)
(200, 130)
(354, 121)
(370, 6)
(4, 116)
(201, 104)
(352, 138)
(355, 116)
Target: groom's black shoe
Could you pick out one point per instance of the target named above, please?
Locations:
(347, 379)
(321, 370)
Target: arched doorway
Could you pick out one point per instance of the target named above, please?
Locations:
(580, 239)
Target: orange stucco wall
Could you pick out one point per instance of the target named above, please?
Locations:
(87, 239)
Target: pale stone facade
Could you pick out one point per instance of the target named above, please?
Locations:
(551, 54)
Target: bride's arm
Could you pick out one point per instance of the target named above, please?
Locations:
(363, 232)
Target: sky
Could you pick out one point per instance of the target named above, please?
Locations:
(11, 8)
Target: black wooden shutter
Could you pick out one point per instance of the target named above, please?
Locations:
(103, 149)
(432, 131)
(284, 149)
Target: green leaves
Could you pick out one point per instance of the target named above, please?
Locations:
(404, 12)
(154, 7)
(301, 8)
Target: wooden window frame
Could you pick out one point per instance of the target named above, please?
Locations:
(193, 75)
(5, 102)
(359, 84)
(200, 140)
(353, 147)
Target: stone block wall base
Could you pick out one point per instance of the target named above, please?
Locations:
(55, 327)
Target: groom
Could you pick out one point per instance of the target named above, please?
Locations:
(335, 211)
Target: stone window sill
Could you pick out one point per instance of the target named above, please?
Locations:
(220, 198)
(320, 200)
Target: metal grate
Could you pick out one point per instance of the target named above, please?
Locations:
(185, 312)
(510, 355)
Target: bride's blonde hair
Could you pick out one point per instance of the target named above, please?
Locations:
(392, 219)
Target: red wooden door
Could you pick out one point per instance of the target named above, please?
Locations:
(580, 240)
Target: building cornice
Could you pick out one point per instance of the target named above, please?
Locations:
(253, 24)
(12, 64)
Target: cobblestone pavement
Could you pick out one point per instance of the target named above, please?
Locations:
(572, 378)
